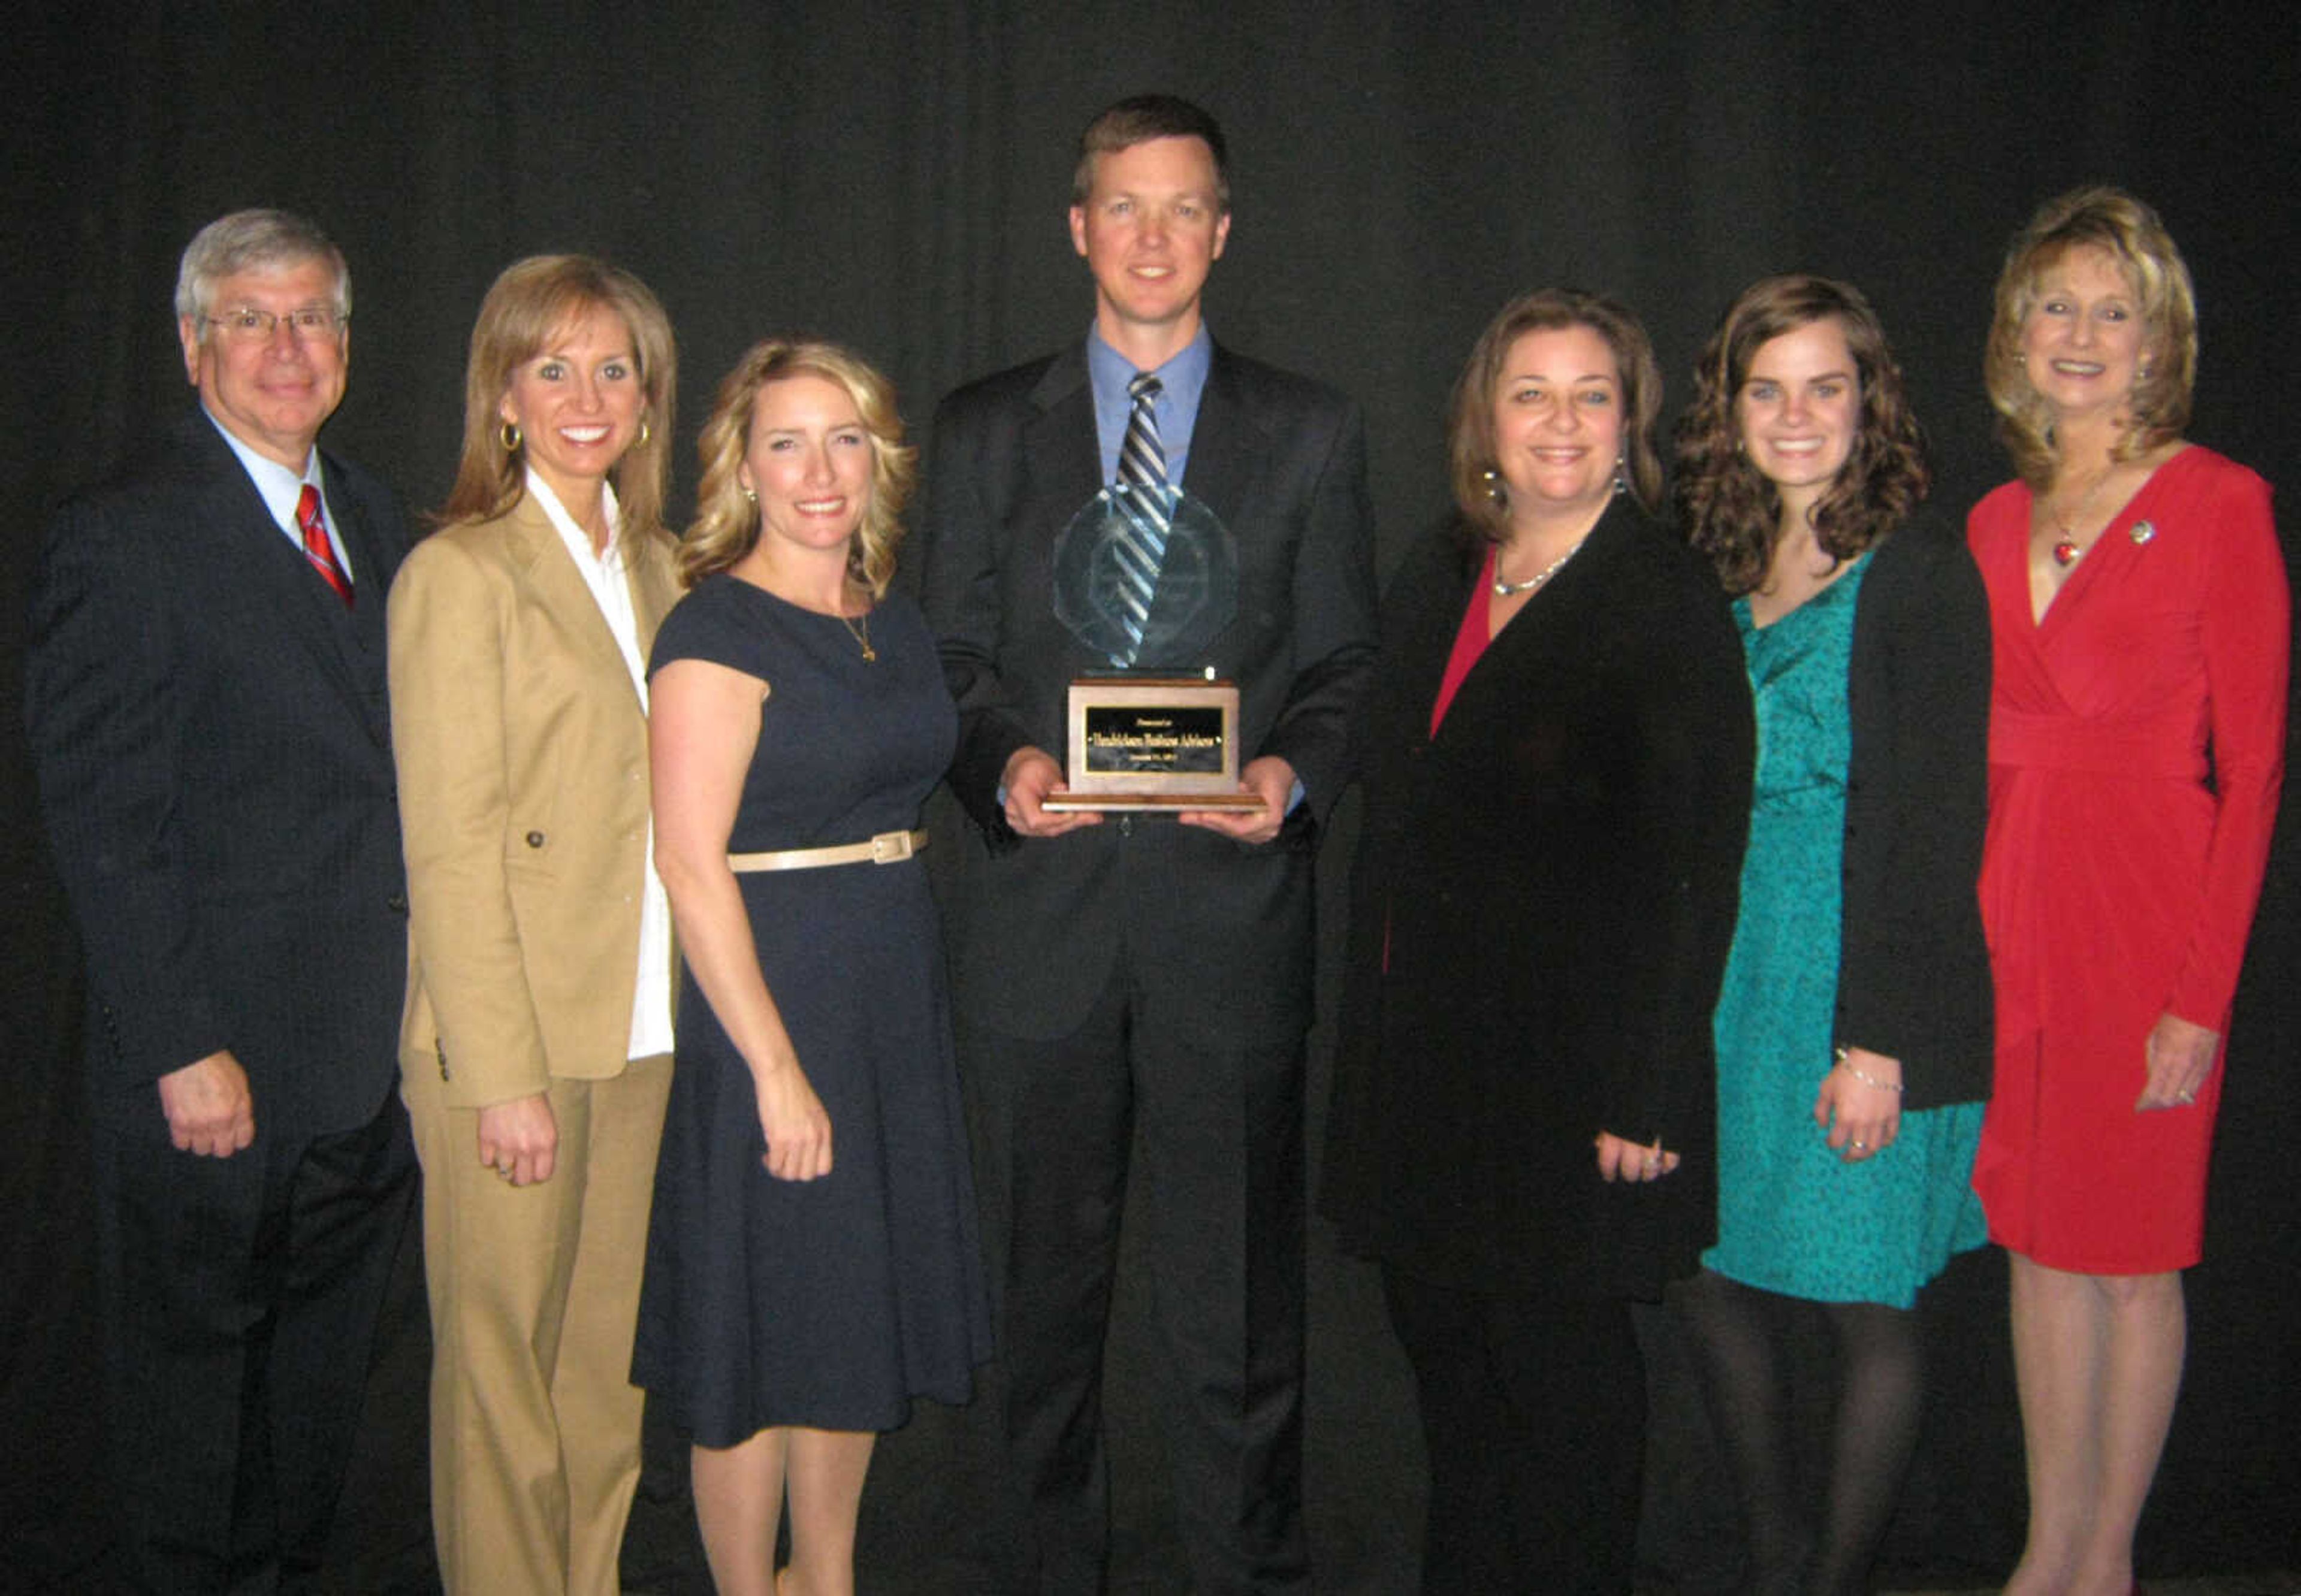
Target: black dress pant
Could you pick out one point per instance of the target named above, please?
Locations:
(1222, 1162)
(238, 1300)
(1534, 1411)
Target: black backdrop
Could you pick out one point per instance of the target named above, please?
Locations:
(895, 176)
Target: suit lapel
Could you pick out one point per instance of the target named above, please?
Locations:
(1229, 443)
(1063, 456)
(538, 557)
(1556, 621)
(295, 605)
(654, 588)
(375, 560)
(1421, 656)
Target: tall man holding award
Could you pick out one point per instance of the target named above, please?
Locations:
(1141, 507)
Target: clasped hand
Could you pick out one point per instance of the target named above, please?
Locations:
(1859, 1105)
(1032, 774)
(210, 1108)
(1619, 1159)
(2179, 1056)
(520, 1138)
(795, 1124)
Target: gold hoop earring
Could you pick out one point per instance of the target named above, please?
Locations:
(645, 433)
(508, 435)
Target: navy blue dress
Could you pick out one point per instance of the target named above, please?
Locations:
(828, 1303)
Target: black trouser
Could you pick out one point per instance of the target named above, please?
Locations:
(1534, 1411)
(238, 1298)
(1222, 1138)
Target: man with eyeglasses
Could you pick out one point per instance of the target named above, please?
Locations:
(204, 691)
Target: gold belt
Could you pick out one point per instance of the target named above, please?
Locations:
(888, 847)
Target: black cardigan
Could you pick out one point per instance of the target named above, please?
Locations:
(1542, 901)
(1913, 970)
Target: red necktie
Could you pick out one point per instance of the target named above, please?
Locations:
(316, 546)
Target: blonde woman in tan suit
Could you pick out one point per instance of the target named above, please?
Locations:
(534, 1051)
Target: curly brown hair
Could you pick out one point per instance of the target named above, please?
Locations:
(1729, 510)
(2110, 220)
(727, 519)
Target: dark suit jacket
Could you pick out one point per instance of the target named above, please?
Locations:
(215, 770)
(1913, 969)
(1541, 910)
(1223, 928)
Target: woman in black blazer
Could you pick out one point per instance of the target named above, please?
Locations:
(1854, 1029)
(1557, 767)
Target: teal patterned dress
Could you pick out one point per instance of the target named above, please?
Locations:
(1792, 1217)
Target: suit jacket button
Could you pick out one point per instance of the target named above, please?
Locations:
(535, 840)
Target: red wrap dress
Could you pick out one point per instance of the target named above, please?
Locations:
(2135, 749)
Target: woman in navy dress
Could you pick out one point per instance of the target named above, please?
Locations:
(1853, 1029)
(812, 1263)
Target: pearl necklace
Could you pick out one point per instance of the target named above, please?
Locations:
(1503, 589)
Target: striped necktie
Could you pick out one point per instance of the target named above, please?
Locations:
(317, 549)
(1146, 511)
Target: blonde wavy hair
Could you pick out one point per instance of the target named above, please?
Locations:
(727, 519)
(2110, 220)
(528, 306)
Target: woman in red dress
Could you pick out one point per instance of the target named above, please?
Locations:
(2140, 621)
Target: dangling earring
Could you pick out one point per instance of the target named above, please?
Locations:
(645, 433)
(1621, 477)
(1497, 490)
(508, 436)
(751, 496)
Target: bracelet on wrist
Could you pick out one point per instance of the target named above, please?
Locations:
(1847, 1064)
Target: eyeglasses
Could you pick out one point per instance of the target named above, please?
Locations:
(245, 324)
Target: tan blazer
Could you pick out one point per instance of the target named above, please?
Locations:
(521, 750)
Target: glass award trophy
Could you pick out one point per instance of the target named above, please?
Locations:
(1158, 729)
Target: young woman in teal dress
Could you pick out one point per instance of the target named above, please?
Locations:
(1854, 1028)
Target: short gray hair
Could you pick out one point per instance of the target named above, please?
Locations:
(247, 240)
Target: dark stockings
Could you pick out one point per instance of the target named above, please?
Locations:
(1739, 1335)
